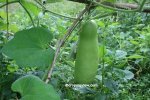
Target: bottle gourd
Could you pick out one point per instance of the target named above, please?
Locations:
(86, 64)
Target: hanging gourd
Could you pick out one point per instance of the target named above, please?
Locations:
(86, 64)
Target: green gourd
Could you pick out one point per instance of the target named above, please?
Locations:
(86, 64)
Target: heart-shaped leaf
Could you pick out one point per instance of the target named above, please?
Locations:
(30, 48)
(33, 88)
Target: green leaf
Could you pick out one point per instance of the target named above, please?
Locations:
(120, 54)
(128, 74)
(134, 42)
(30, 48)
(102, 51)
(13, 28)
(11, 68)
(3, 14)
(135, 56)
(101, 24)
(2, 25)
(101, 96)
(33, 88)
(147, 38)
(31, 7)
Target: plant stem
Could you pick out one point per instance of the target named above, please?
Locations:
(68, 43)
(62, 41)
(103, 61)
(7, 18)
(9, 3)
(27, 13)
(142, 4)
(40, 4)
(104, 15)
(60, 15)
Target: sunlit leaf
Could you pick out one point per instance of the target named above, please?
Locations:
(102, 51)
(101, 24)
(135, 56)
(3, 14)
(134, 42)
(128, 74)
(3, 25)
(13, 28)
(12, 68)
(120, 54)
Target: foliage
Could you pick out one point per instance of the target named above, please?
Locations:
(31, 87)
(30, 48)
(124, 53)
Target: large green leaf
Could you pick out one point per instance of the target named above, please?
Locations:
(32, 88)
(30, 48)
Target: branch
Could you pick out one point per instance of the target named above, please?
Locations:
(60, 15)
(113, 6)
(56, 14)
(124, 7)
(142, 4)
(104, 15)
(143, 8)
(62, 41)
